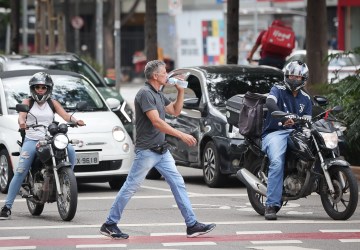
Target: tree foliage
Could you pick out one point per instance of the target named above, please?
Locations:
(346, 93)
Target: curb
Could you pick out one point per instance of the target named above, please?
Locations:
(356, 171)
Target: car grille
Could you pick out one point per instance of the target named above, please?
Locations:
(102, 166)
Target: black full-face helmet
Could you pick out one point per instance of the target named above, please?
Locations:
(296, 68)
(41, 78)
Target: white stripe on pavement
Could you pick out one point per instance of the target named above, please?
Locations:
(276, 242)
(203, 243)
(349, 240)
(182, 224)
(15, 238)
(259, 232)
(101, 246)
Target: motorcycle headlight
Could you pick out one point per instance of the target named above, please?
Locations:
(60, 141)
(330, 139)
(118, 133)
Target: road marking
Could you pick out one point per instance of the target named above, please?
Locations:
(280, 248)
(191, 195)
(97, 236)
(101, 246)
(15, 238)
(349, 240)
(276, 242)
(18, 247)
(182, 224)
(203, 243)
(259, 232)
(166, 234)
(339, 230)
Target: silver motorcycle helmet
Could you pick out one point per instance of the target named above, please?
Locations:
(41, 78)
(296, 68)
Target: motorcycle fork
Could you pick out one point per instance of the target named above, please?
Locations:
(56, 175)
(324, 167)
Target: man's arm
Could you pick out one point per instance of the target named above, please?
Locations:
(161, 125)
(175, 108)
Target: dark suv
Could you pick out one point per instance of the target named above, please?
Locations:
(71, 62)
(204, 116)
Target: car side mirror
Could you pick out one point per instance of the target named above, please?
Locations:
(113, 103)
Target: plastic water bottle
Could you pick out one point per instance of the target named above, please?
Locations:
(180, 83)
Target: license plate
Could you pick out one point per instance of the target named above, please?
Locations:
(87, 158)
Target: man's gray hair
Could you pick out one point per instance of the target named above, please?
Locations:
(152, 67)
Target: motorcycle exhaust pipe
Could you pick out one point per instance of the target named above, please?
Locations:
(251, 181)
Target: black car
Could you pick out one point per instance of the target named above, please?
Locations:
(204, 116)
(73, 63)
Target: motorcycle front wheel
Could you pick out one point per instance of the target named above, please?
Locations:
(67, 200)
(342, 204)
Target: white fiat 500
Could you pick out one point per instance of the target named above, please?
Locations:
(104, 149)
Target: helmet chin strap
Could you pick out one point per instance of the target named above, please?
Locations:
(40, 98)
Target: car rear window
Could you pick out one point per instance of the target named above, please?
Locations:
(223, 86)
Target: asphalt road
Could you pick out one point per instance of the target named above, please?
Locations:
(154, 222)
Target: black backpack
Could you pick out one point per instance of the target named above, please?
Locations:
(49, 101)
(251, 117)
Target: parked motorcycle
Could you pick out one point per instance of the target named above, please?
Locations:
(51, 178)
(313, 164)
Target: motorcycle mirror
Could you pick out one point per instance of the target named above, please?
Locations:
(81, 106)
(337, 109)
(321, 100)
(22, 108)
(278, 114)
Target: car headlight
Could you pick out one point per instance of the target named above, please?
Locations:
(60, 141)
(330, 139)
(118, 133)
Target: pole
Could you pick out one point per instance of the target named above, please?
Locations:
(77, 31)
(24, 27)
(99, 32)
(117, 26)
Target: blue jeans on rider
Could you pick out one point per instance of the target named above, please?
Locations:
(165, 164)
(274, 145)
(27, 155)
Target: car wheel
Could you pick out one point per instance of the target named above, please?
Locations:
(116, 183)
(6, 171)
(211, 166)
(153, 174)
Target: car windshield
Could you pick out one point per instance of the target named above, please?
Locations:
(68, 90)
(223, 86)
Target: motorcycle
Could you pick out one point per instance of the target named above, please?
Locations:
(51, 177)
(313, 164)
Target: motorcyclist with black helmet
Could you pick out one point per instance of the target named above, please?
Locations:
(290, 98)
(43, 108)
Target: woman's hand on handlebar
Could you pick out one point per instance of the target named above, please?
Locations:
(80, 123)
